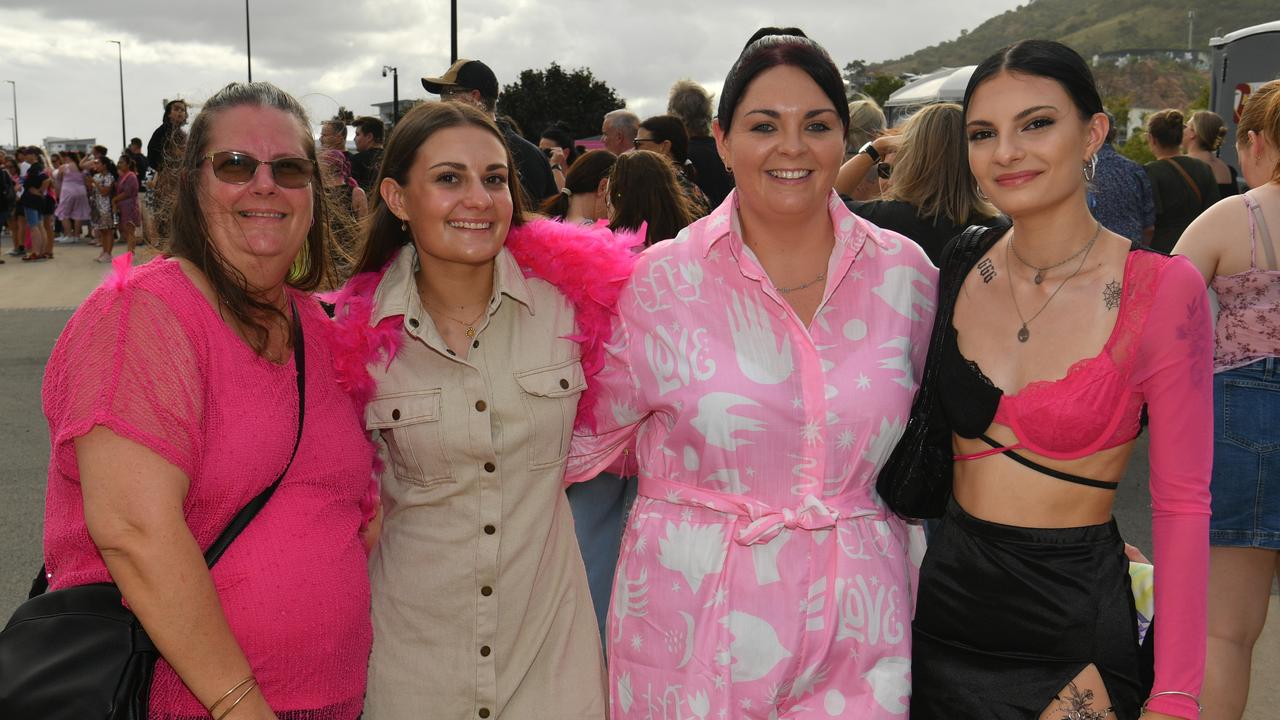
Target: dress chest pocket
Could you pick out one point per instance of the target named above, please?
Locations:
(550, 396)
(410, 424)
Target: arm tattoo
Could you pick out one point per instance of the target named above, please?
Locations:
(1077, 705)
(987, 270)
(1111, 295)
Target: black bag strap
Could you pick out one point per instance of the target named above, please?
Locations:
(251, 509)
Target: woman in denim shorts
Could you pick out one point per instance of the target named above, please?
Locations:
(1245, 528)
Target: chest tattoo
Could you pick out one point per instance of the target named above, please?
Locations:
(1111, 295)
(987, 270)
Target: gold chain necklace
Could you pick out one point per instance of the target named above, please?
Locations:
(470, 326)
(1040, 271)
(1023, 333)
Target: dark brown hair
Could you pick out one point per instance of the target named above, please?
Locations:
(383, 235)
(1165, 127)
(186, 230)
(584, 176)
(773, 50)
(643, 188)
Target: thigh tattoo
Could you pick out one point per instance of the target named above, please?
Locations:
(1075, 704)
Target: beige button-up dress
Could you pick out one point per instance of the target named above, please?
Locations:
(480, 601)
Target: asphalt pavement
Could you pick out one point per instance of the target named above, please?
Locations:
(37, 299)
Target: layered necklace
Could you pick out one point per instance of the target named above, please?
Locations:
(1023, 333)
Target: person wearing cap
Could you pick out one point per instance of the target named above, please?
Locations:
(472, 82)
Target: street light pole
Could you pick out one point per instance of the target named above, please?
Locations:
(124, 143)
(395, 92)
(15, 112)
(453, 31)
(15, 133)
(248, 40)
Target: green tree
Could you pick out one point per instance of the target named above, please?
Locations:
(347, 116)
(1201, 101)
(1136, 149)
(882, 86)
(1119, 107)
(856, 77)
(575, 98)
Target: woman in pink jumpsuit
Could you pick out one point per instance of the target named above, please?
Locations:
(764, 360)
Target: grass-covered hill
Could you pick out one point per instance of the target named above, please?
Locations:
(1092, 26)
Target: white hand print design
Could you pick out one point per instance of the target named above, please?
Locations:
(759, 356)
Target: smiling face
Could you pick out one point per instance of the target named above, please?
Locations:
(785, 144)
(1028, 143)
(457, 200)
(259, 227)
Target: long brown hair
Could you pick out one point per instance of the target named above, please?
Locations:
(186, 232)
(931, 169)
(383, 235)
(643, 188)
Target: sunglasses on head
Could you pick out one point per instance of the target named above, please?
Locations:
(239, 168)
(884, 170)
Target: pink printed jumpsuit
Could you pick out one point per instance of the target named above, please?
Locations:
(760, 575)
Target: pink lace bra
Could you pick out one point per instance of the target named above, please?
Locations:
(1248, 326)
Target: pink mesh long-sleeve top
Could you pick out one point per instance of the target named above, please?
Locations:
(147, 357)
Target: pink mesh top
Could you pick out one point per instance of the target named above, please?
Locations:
(1248, 327)
(1159, 355)
(147, 357)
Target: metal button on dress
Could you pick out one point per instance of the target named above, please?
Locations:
(484, 651)
(486, 591)
(480, 406)
(489, 529)
(395, 414)
(564, 384)
(475, 344)
(490, 467)
(484, 712)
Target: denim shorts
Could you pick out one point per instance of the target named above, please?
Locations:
(32, 215)
(1246, 456)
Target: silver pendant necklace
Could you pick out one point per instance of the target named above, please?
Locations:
(1040, 271)
(1024, 334)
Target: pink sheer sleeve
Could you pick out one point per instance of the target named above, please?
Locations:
(125, 362)
(1174, 370)
(619, 407)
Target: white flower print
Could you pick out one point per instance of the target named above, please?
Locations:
(694, 551)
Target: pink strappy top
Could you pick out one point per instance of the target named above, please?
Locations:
(1248, 327)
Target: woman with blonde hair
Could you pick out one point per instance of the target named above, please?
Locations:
(866, 123)
(1201, 139)
(1244, 530)
(933, 196)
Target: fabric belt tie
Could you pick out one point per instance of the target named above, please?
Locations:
(765, 522)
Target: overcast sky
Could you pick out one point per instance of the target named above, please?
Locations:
(330, 53)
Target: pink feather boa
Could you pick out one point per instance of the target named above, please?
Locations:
(587, 264)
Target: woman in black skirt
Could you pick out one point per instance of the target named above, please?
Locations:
(1060, 333)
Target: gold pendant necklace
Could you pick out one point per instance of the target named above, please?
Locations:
(470, 327)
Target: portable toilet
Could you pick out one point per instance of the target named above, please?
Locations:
(1242, 62)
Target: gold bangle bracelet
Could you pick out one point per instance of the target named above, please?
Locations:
(243, 695)
(214, 707)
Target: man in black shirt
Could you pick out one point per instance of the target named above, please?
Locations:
(134, 151)
(367, 161)
(472, 82)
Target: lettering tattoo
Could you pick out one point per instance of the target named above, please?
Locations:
(1077, 705)
(987, 270)
(1111, 295)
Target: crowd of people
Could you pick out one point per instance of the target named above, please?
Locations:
(621, 432)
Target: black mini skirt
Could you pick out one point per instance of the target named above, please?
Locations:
(1006, 616)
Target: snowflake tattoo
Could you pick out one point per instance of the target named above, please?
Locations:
(1111, 295)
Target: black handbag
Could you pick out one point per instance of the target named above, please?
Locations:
(915, 481)
(79, 653)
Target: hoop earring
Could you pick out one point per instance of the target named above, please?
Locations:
(404, 226)
(1090, 169)
(981, 195)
